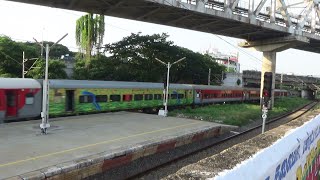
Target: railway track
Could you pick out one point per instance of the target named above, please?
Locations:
(223, 142)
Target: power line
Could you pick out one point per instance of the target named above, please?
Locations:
(222, 38)
(238, 48)
(10, 57)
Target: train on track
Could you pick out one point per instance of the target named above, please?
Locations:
(22, 98)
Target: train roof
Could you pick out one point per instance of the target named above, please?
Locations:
(280, 90)
(206, 87)
(19, 83)
(251, 89)
(75, 84)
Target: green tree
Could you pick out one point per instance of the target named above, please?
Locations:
(56, 70)
(11, 55)
(89, 33)
(134, 60)
(134, 57)
(56, 51)
(100, 68)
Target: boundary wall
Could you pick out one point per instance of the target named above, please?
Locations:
(295, 156)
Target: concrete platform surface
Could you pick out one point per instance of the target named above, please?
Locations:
(23, 149)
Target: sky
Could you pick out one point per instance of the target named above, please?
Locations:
(23, 22)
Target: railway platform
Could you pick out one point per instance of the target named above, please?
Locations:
(109, 145)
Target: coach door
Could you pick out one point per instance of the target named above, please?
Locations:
(12, 103)
(70, 100)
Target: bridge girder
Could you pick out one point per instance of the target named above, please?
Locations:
(211, 16)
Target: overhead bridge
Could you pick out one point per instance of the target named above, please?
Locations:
(224, 17)
(268, 26)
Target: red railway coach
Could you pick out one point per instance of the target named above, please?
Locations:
(210, 94)
(252, 94)
(280, 93)
(19, 98)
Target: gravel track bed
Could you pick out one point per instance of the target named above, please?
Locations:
(220, 156)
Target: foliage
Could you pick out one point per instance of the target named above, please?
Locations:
(11, 55)
(133, 59)
(7, 75)
(239, 114)
(100, 68)
(56, 51)
(56, 70)
(89, 33)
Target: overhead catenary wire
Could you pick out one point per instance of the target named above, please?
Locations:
(255, 58)
(8, 56)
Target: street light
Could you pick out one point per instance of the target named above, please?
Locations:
(45, 94)
(165, 112)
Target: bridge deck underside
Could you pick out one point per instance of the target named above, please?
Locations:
(173, 16)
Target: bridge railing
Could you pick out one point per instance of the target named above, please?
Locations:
(297, 21)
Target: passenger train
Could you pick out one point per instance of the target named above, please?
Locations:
(22, 98)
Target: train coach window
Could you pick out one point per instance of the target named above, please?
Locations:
(157, 96)
(174, 96)
(29, 98)
(180, 96)
(115, 98)
(138, 97)
(101, 98)
(85, 99)
(148, 96)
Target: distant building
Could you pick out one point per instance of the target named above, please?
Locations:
(230, 61)
(69, 62)
(233, 79)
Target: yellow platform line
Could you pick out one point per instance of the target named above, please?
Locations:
(90, 145)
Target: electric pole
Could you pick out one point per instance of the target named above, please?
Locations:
(45, 94)
(209, 76)
(24, 60)
(23, 73)
(165, 113)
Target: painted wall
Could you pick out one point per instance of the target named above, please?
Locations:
(295, 156)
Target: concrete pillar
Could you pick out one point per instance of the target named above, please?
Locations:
(270, 47)
(268, 65)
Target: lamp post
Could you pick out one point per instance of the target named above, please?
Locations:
(45, 94)
(165, 113)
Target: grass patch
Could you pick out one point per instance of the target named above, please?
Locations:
(239, 114)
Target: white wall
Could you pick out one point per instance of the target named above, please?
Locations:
(232, 78)
(295, 156)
